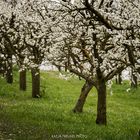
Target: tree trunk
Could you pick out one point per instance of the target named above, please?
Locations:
(101, 104)
(66, 66)
(35, 82)
(134, 82)
(9, 70)
(22, 80)
(119, 79)
(81, 101)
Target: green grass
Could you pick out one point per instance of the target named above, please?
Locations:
(51, 117)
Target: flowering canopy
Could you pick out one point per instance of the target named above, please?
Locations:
(85, 35)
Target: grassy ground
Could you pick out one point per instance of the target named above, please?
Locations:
(51, 118)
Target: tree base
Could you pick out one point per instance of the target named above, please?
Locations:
(75, 110)
(36, 96)
(101, 122)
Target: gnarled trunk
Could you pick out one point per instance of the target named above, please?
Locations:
(101, 104)
(22, 80)
(81, 101)
(35, 82)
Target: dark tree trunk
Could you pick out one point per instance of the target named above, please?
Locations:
(101, 104)
(2, 66)
(22, 80)
(81, 101)
(59, 68)
(35, 82)
(66, 67)
(9, 70)
(119, 79)
(134, 82)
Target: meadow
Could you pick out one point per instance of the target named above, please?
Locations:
(51, 117)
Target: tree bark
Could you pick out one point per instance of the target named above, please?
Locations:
(81, 101)
(66, 66)
(101, 104)
(22, 80)
(35, 82)
(119, 79)
(134, 82)
(9, 70)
